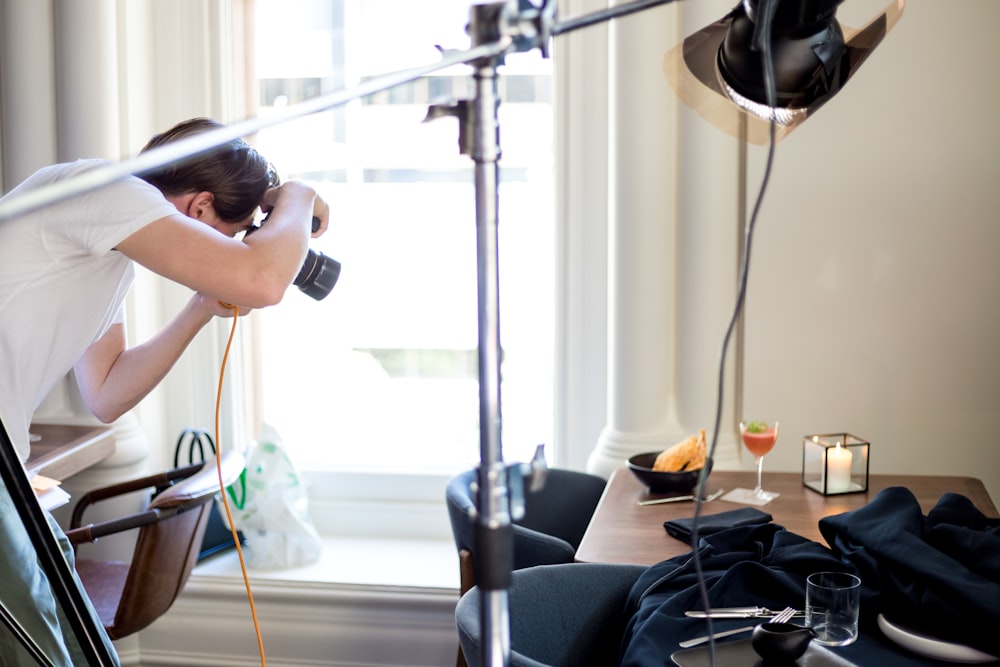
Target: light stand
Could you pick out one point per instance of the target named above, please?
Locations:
(521, 27)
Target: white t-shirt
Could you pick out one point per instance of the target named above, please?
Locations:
(62, 284)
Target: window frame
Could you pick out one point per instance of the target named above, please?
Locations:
(393, 504)
(375, 503)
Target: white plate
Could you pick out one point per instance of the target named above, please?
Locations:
(932, 648)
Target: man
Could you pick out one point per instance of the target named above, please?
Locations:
(64, 273)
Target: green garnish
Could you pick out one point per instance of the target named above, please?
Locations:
(756, 427)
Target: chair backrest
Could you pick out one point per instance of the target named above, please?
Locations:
(555, 519)
(565, 614)
(130, 596)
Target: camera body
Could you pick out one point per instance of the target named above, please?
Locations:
(318, 274)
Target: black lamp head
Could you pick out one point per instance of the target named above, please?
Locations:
(808, 54)
(719, 70)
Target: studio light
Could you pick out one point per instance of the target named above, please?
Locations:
(718, 71)
(807, 48)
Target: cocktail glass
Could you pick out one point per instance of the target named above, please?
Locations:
(759, 438)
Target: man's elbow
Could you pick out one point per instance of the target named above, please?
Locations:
(266, 289)
(107, 413)
(265, 295)
(273, 294)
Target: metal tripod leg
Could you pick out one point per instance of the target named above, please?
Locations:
(26, 641)
(64, 587)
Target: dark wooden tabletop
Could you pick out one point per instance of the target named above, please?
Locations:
(623, 532)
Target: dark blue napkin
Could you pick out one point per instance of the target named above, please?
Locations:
(713, 523)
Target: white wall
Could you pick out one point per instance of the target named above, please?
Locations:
(874, 303)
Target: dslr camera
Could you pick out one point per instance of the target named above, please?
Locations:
(318, 274)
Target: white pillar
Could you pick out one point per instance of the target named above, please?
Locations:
(581, 62)
(87, 85)
(87, 97)
(27, 89)
(641, 244)
(711, 200)
(672, 251)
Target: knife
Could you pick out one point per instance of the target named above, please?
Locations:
(675, 499)
(729, 612)
(718, 635)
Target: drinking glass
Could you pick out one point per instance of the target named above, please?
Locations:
(833, 600)
(759, 438)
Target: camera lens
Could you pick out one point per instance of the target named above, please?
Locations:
(318, 275)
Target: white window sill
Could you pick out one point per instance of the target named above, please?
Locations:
(359, 561)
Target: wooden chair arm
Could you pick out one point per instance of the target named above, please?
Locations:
(157, 481)
(93, 531)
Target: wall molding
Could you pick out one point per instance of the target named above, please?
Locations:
(302, 623)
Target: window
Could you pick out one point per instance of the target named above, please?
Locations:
(381, 375)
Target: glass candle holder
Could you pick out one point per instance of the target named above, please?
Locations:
(835, 463)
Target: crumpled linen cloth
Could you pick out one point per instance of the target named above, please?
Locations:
(937, 575)
(912, 567)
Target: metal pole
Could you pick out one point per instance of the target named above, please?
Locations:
(519, 27)
(50, 556)
(193, 146)
(495, 539)
(27, 641)
(533, 30)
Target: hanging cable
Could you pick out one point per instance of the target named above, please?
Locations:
(225, 500)
(762, 39)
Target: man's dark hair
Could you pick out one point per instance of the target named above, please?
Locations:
(235, 173)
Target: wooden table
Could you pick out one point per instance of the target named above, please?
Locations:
(623, 532)
(65, 450)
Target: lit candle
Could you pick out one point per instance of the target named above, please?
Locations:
(838, 469)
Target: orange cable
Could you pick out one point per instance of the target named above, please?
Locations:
(225, 500)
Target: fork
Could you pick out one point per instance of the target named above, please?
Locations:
(782, 616)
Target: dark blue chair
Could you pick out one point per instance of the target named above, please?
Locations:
(555, 519)
(567, 615)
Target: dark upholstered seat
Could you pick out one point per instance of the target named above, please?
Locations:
(560, 615)
(555, 519)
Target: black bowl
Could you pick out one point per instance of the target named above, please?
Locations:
(641, 466)
(780, 643)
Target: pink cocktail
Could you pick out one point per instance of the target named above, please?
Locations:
(759, 438)
(761, 443)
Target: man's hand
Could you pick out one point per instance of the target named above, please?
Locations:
(217, 308)
(321, 210)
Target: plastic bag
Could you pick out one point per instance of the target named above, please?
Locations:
(274, 512)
